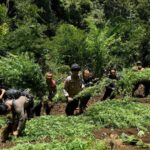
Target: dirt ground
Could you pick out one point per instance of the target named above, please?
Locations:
(59, 108)
(112, 136)
(6, 145)
(143, 100)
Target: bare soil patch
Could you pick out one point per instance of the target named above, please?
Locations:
(143, 100)
(112, 137)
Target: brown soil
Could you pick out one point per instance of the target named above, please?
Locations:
(143, 100)
(105, 132)
(112, 137)
(58, 109)
(6, 145)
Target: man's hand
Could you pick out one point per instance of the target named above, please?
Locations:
(69, 99)
(15, 133)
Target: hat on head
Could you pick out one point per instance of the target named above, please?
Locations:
(75, 67)
(139, 63)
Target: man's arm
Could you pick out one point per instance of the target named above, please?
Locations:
(2, 93)
(66, 86)
(55, 88)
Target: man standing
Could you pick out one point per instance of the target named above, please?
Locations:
(52, 89)
(113, 76)
(139, 89)
(138, 66)
(72, 86)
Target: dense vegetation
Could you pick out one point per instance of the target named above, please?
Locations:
(119, 114)
(93, 33)
(37, 36)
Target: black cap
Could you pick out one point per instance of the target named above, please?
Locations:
(75, 67)
(139, 63)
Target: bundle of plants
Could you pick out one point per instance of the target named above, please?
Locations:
(132, 78)
(59, 97)
(92, 90)
(119, 114)
(20, 72)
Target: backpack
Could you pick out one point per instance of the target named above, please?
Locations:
(12, 94)
(15, 94)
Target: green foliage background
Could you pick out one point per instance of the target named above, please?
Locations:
(21, 73)
(93, 33)
(37, 36)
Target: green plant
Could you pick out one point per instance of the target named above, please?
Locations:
(119, 114)
(93, 90)
(21, 72)
(59, 97)
(2, 121)
(132, 140)
(77, 143)
(130, 78)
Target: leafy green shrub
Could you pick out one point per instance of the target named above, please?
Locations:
(59, 97)
(98, 43)
(68, 44)
(131, 78)
(93, 90)
(119, 114)
(2, 121)
(132, 140)
(76, 144)
(54, 127)
(21, 72)
(3, 29)
(3, 13)
(62, 132)
(75, 11)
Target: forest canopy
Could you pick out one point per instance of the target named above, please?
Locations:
(94, 33)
